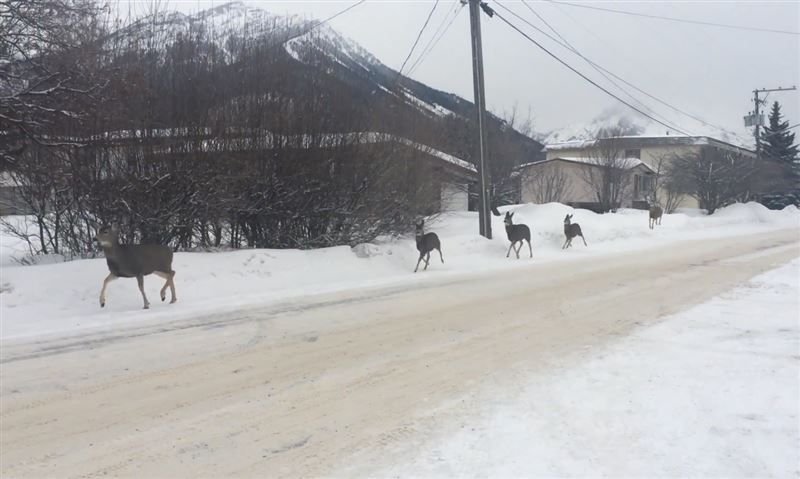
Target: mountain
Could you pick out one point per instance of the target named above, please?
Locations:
(631, 123)
(366, 94)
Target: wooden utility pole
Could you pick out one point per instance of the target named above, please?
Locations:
(481, 153)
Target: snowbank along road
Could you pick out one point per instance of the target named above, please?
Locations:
(303, 388)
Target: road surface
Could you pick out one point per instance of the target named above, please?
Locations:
(311, 387)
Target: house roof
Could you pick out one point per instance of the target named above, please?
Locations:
(650, 140)
(628, 163)
(209, 140)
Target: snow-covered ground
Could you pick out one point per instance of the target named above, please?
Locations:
(710, 392)
(63, 297)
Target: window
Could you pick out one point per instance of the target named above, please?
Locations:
(633, 153)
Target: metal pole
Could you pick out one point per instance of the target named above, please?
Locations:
(484, 202)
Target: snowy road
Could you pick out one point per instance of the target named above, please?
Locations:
(309, 388)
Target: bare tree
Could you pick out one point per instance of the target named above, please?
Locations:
(548, 183)
(43, 74)
(606, 171)
(666, 191)
(715, 177)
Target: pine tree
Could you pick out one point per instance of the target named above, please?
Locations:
(778, 142)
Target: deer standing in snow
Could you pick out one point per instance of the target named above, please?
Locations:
(426, 242)
(516, 234)
(655, 214)
(572, 230)
(135, 261)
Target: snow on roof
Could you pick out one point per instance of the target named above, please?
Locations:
(646, 140)
(626, 163)
(265, 139)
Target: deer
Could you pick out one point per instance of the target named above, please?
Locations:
(426, 242)
(655, 214)
(572, 230)
(516, 234)
(135, 261)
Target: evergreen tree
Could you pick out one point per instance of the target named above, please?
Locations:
(778, 142)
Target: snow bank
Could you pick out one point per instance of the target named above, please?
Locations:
(59, 298)
(710, 392)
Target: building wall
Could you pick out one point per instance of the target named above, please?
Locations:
(651, 155)
(454, 197)
(576, 190)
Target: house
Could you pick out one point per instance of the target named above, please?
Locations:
(566, 173)
(11, 202)
(440, 180)
(576, 180)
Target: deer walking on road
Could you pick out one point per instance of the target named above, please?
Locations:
(572, 230)
(426, 242)
(136, 261)
(516, 234)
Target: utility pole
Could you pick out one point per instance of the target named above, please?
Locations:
(756, 119)
(484, 180)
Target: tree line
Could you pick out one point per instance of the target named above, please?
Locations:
(181, 134)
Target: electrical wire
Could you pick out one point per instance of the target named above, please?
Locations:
(434, 39)
(675, 19)
(419, 35)
(322, 22)
(592, 82)
(602, 71)
(663, 102)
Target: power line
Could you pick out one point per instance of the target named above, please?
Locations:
(321, 22)
(780, 131)
(675, 19)
(600, 87)
(663, 102)
(659, 100)
(602, 71)
(419, 35)
(600, 67)
(434, 39)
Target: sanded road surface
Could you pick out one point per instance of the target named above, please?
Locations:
(306, 388)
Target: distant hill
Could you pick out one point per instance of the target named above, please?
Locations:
(632, 123)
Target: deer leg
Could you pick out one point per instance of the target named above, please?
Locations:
(140, 280)
(417, 267)
(584, 241)
(509, 250)
(530, 248)
(565, 244)
(111, 277)
(516, 250)
(440, 254)
(427, 260)
(172, 287)
(169, 277)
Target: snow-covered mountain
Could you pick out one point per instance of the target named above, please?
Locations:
(631, 123)
(319, 51)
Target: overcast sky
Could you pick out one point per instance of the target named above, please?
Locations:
(707, 71)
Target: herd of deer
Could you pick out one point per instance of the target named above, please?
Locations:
(140, 260)
(517, 234)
